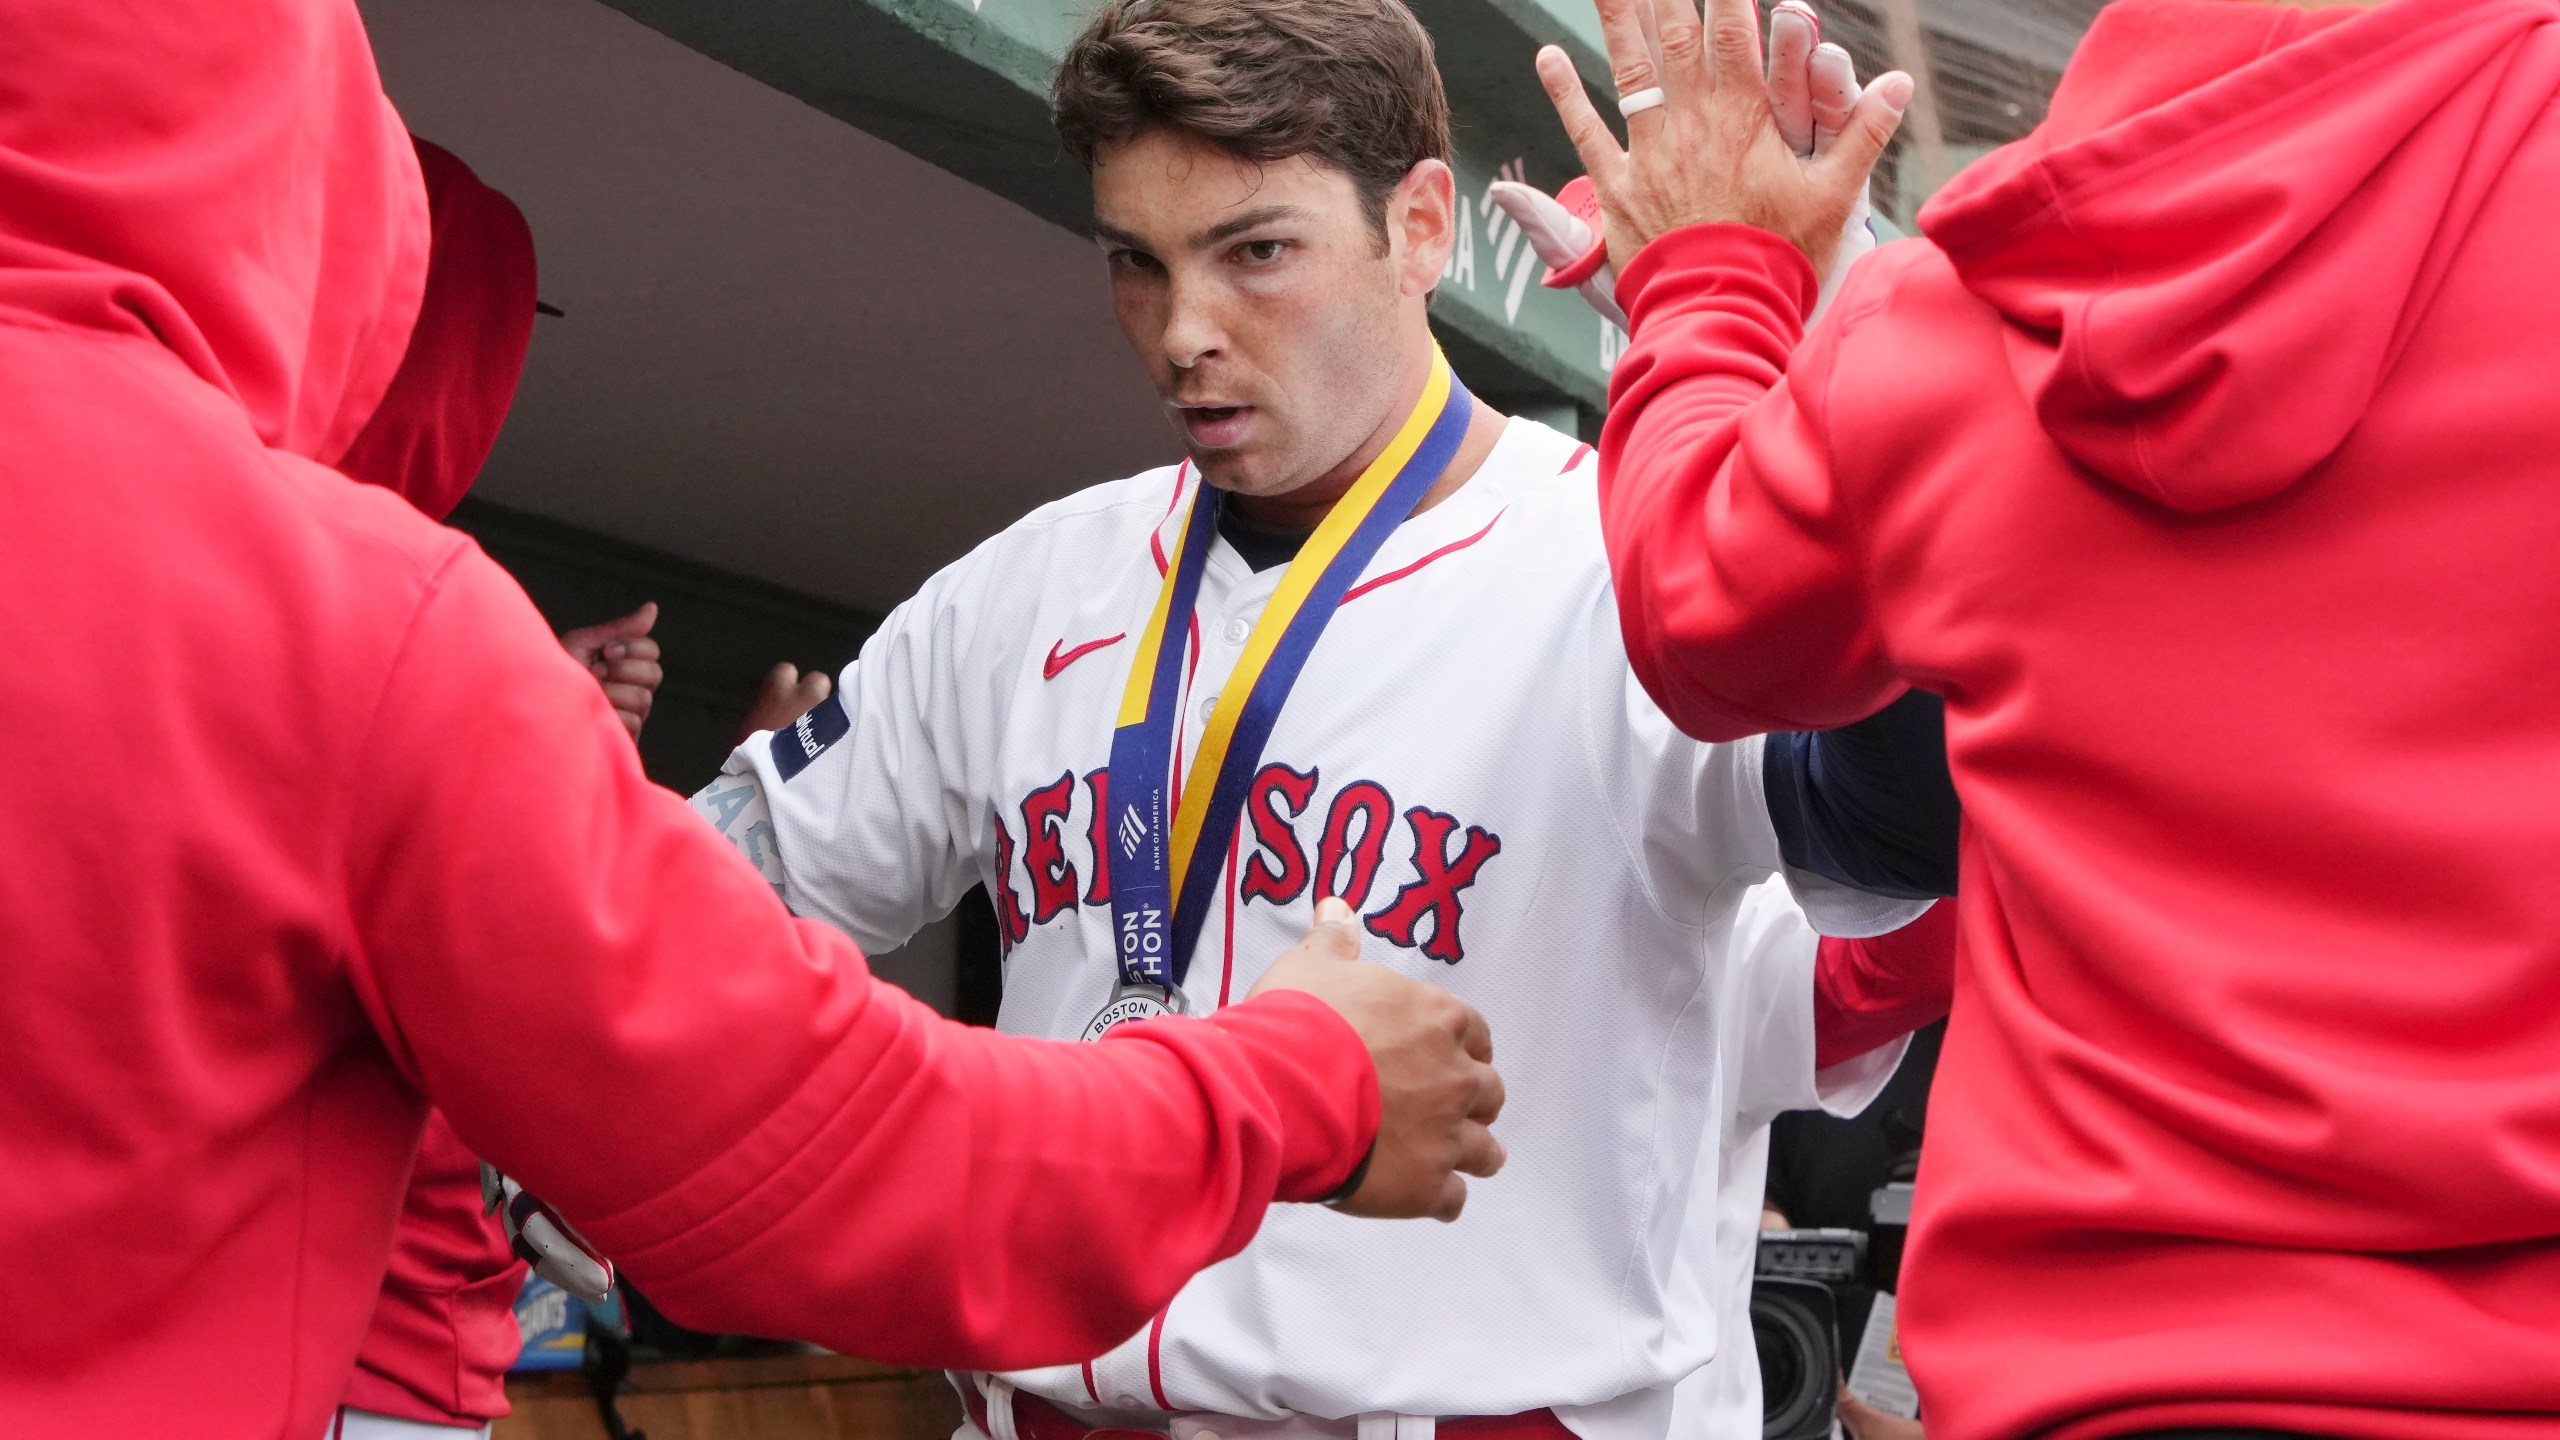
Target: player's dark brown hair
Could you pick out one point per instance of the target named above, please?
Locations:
(1346, 83)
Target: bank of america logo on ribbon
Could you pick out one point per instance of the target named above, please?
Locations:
(1133, 831)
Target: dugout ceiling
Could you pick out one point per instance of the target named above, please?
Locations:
(831, 317)
(791, 350)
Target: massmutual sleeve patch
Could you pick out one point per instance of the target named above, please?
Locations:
(808, 737)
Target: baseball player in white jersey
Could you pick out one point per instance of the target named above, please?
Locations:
(1362, 646)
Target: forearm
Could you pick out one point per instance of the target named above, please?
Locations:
(968, 1199)
(1738, 587)
(611, 1005)
(1869, 993)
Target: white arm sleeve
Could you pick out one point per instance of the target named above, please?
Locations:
(1770, 1032)
(1706, 818)
(859, 814)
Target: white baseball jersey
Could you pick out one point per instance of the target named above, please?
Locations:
(1765, 1068)
(1468, 761)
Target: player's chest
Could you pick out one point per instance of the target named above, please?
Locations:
(1406, 771)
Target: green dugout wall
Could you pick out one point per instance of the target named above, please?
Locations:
(962, 85)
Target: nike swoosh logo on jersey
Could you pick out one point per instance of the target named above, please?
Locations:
(1060, 659)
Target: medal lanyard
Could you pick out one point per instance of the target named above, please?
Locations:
(1162, 874)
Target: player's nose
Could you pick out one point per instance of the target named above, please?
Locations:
(1192, 332)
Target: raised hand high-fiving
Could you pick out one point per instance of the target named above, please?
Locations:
(1703, 141)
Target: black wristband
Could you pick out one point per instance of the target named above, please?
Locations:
(1351, 1187)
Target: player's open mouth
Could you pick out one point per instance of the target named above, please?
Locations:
(1214, 427)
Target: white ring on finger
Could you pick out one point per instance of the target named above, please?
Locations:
(1648, 98)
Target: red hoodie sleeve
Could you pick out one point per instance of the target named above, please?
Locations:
(1739, 587)
(611, 1005)
(1869, 993)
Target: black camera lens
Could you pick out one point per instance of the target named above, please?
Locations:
(1795, 1328)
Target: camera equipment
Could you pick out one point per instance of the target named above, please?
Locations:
(1889, 1208)
(1795, 1324)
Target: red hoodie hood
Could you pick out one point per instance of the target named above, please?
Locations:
(229, 181)
(2213, 249)
(441, 414)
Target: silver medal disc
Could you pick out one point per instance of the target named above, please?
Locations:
(1131, 1003)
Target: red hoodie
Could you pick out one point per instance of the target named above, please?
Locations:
(2203, 458)
(444, 1331)
(315, 822)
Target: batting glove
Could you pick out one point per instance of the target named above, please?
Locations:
(1813, 85)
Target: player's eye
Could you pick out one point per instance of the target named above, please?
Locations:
(1262, 252)
(1139, 261)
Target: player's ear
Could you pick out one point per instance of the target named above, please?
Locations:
(1422, 220)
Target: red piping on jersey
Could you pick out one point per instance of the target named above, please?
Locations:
(1365, 586)
(1573, 461)
(1155, 1359)
(1090, 1393)
(1155, 537)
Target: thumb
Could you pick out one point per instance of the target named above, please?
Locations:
(1333, 930)
(1870, 126)
(635, 623)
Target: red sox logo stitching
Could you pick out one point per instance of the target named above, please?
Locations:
(1423, 914)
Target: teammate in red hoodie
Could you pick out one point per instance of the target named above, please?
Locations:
(2202, 458)
(443, 1333)
(315, 824)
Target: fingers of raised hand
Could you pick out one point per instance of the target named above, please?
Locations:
(1793, 33)
(1732, 29)
(1832, 78)
(1590, 134)
(1626, 26)
(1680, 44)
(1852, 156)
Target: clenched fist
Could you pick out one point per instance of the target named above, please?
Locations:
(785, 696)
(624, 660)
(1437, 1091)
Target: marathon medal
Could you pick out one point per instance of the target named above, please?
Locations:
(1134, 1002)
(1161, 872)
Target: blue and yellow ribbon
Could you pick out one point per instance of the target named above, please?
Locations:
(1165, 867)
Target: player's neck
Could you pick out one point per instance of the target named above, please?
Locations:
(1301, 510)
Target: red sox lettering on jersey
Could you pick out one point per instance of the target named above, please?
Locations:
(1061, 868)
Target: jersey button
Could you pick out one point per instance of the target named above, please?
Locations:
(1238, 629)
(1208, 708)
